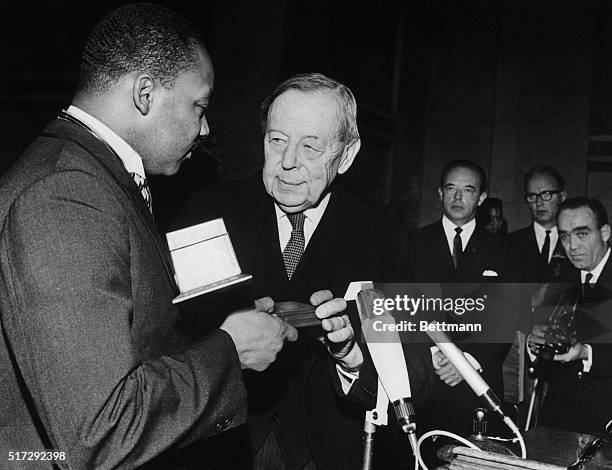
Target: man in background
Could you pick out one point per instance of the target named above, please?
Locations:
(531, 249)
(456, 249)
(580, 380)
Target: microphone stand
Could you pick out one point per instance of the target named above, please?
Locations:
(375, 417)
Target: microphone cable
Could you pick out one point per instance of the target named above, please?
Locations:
(438, 432)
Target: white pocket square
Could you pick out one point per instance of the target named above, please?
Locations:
(489, 273)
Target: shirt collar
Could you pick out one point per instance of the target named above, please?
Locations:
(449, 232)
(541, 231)
(597, 271)
(130, 158)
(466, 229)
(314, 214)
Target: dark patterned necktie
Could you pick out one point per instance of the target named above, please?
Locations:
(546, 247)
(295, 248)
(143, 187)
(457, 246)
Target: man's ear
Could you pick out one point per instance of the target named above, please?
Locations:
(482, 197)
(605, 232)
(349, 155)
(563, 195)
(142, 92)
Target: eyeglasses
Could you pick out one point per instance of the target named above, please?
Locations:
(544, 195)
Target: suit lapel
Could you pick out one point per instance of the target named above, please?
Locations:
(601, 290)
(480, 255)
(114, 167)
(270, 277)
(606, 273)
(440, 250)
(337, 233)
(271, 243)
(326, 232)
(532, 242)
(469, 263)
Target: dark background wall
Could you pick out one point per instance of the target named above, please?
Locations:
(508, 83)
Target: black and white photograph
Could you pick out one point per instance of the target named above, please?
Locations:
(305, 234)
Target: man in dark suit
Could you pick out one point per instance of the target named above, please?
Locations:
(95, 361)
(580, 380)
(299, 417)
(531, 249)
(456, 249)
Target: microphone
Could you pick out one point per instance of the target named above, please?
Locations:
(388, 358)
(465, 369)
(473, 379)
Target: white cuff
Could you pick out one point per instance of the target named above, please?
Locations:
(347, 379)
(472, 360)
(532, 356)
(434, 359)
(588, 362)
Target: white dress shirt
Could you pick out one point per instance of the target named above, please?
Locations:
(466, 232)
(312, 218)
(540, 234)
(130, 158)
(596, 272)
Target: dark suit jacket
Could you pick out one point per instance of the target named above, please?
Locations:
(584, 403)
(87, 317)
(525, 263)
(298, 397)
(430, 261)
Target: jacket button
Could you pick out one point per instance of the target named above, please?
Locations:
(222, 425)
(368, 391)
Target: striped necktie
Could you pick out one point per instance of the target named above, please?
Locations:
(295, 247)
(143, 187)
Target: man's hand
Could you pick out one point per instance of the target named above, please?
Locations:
(578, 352)
(257, 335)
(339, 335)
(446, 371)
(537, 338)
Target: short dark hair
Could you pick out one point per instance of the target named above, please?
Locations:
(601, 215)
(483, 211)
(138, 37)
(493, 203)
(544, 169)
(470, 165)
(313, 82)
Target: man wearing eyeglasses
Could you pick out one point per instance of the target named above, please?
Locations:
(532, 248)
